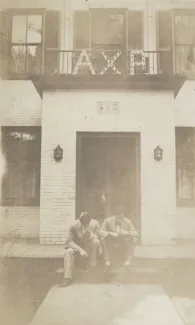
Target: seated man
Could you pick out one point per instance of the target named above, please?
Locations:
(119, 230)
(83, 240)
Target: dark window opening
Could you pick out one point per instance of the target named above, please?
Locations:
(185, 166)
(22, 150)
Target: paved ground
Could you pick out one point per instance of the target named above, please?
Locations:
(25, 283)
(105, 304)
(186, 308)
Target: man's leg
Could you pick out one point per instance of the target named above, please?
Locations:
(95, 247)
(104, 246)
(130, 244)
(68, 266)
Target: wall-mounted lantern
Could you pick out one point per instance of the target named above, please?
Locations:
(58, 153)
(158, 153)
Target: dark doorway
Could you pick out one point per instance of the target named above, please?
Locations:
(108, 174)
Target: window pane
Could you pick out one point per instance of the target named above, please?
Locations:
(30, 176)
(34, 29)
(181, 58)
(12, 183)
(18, 64)
(30, 147)
(12, 146)
(185, 142)
(185, 158)
(111, 30)
(187, 182)
(33, 59)
(185, 29)
(19, 29)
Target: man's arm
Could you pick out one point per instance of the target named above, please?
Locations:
(131, 230)
(70, 241)
(105, 230)
(97, 229)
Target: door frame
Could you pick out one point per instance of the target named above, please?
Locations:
(131, 135)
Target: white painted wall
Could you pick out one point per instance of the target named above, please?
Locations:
(65, 113)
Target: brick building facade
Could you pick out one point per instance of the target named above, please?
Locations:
(108, 103)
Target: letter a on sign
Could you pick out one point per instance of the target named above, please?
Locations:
(83, 61)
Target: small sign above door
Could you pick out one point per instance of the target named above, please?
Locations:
(108, 107)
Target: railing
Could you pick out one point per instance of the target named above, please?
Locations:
(131, 62)
(94, 62)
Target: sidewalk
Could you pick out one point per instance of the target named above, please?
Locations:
(105, 304)
(29, 250)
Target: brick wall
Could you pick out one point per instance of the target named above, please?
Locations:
(20, 222)
(150, 113)
(20, 106)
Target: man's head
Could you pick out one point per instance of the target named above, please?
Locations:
(120, 214)
(85, 218)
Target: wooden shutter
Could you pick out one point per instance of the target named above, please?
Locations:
(81, 30)
(5, 40)
(165, 34)
(165, 42)
(135, 30)
(52, 41)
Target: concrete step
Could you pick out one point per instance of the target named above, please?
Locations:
(133, 270)
(119, 275)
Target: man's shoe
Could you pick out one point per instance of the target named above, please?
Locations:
(128, 264)
(107, 267)
(65, 283)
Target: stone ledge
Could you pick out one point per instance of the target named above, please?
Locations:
(30, 250)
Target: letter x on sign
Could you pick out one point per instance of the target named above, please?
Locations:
(110, 63)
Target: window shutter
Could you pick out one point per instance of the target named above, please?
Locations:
(52, 41)
(164, 34)
(81, 30)
(164, 30)
(5, 30)
(135, 29)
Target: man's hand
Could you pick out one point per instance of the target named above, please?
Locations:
(124, 233)
(83, 253)
(134, 241)
(114, 234)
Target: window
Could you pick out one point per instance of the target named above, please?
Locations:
(26, 43)
(184, 38)
(22, 149)
(185, 166)
(31, 40)
(111, 35)
(112, 32)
